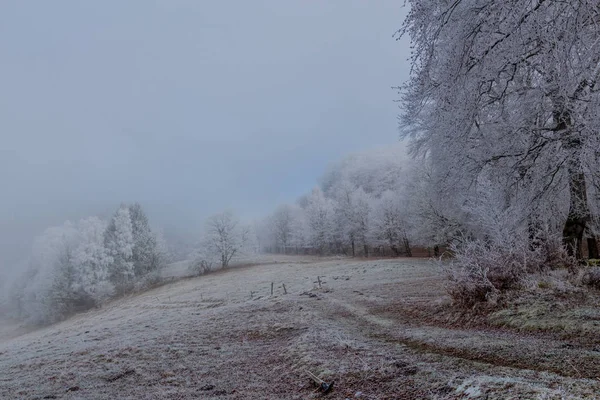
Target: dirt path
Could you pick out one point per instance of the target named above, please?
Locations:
(224, 336)
(490, 363)
(496, 347)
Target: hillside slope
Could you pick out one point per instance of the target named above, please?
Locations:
(223, 336)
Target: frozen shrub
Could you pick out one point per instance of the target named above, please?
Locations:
(592, 277)
(550, 252)
(200, 267)
(149, 281)
(481, 271)
(469, 287)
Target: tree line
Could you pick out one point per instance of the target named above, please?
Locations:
(78, 266)
(365, 204)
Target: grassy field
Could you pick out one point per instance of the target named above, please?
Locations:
(380, 329)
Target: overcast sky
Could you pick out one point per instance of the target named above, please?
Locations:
(189, 107)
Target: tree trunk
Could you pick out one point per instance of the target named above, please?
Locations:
(592, 248)
(579, 211)
(366, 247)
(353, 248)
(407, 247)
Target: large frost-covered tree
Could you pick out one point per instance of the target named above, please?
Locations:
(508, 91)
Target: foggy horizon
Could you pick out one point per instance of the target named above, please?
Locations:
(185, 107)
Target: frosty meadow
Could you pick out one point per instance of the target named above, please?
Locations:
(210, 200)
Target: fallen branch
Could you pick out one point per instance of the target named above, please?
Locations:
(324, 386)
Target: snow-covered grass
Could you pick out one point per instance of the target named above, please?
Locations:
(181, 269)
(225, 336)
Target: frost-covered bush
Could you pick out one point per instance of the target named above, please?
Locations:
(480, 272)
(200, 266)
(592, 277)
(148, 281)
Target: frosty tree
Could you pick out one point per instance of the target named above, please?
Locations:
(146, 255)
(67, 272)
(225, 237)
(119, 242)
(77, 266)
(92, 260)
(50, 288)
(319, 217)
(283, 226)
(433, 209)
(352, 216)
(337, 216)
(508, 90)
(391, 222)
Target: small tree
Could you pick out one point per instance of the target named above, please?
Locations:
(225, 237)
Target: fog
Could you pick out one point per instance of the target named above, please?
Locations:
(187, 107)
(189, 185)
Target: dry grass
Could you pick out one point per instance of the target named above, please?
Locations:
(374, 327)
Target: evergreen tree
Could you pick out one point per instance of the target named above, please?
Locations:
(119, 243)
(145, 253)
